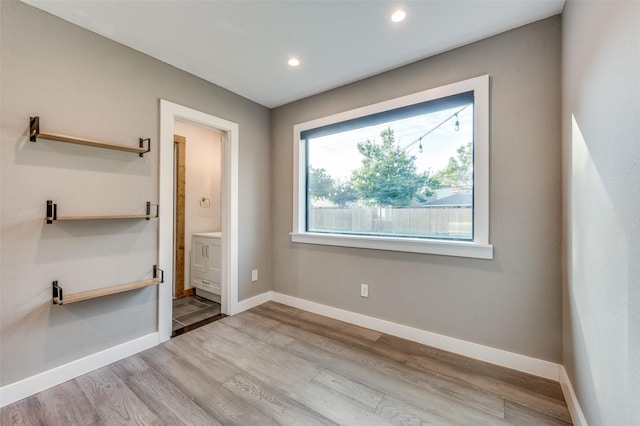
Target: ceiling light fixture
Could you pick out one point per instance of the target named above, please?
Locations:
(398, 15)
(457, 125)
(294, 62)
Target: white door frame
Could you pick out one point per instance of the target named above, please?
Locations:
(169, 112)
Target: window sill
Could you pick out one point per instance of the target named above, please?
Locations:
(411, 245)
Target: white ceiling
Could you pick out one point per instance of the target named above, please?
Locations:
(243, 46)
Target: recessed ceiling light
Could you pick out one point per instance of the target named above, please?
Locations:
(398, 15)
(294, 62)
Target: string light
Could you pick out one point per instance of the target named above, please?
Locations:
(433, 129)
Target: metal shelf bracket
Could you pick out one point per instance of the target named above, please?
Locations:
(142, 141)
(52, 211)
(155, 273)
(57, 293)
(34, 128)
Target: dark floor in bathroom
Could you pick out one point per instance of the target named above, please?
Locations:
(191, 312)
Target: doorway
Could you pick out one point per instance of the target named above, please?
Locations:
(197, 291)
(169, 114)
(198, 201)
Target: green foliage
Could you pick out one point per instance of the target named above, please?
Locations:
(388, 175)
(345, 194)
(321, 184)
(431, 183)
(459, 172)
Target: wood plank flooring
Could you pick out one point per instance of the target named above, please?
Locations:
(277, 365)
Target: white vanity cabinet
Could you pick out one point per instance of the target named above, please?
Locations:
(206, 261)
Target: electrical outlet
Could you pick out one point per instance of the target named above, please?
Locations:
(364, 290)
(254, 275)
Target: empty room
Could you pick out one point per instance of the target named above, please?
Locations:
(320, 212)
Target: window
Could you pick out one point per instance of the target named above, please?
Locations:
(409, 174)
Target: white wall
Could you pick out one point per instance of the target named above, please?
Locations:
(203, 176)
(601, 165)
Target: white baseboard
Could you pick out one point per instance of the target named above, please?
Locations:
(572, 401)
(42, 381)
(252, 302)
(500, 357)
(32, 385)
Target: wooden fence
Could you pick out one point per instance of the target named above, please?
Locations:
(448, 222)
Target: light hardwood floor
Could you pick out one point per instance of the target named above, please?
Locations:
(279, 365)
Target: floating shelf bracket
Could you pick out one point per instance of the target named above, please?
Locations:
(59, 299)
(57, 294)
(34, 128)
(52, 211)
(155, 273)
(148, 149)
(52, 214)
(149, 215)
(34, 133)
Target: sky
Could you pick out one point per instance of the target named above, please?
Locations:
(339, 156)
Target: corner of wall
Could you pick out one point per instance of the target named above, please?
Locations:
(572, 401)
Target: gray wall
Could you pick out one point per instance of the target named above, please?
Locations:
(512, 302)
(601, 166)
(84, 85)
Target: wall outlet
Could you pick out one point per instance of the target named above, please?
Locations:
(254, 275)
(364, 290)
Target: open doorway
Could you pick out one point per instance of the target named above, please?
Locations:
(198, 286)
(170, 114)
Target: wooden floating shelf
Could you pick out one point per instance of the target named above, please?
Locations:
(92, 294)
(35, 133)
(133, 216)
(59, 299)
(52, 214)
(90, 142)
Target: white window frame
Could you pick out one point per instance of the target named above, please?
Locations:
(478, 248)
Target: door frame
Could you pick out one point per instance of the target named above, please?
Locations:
(169, 112)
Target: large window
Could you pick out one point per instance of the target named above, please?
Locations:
(409, 174)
